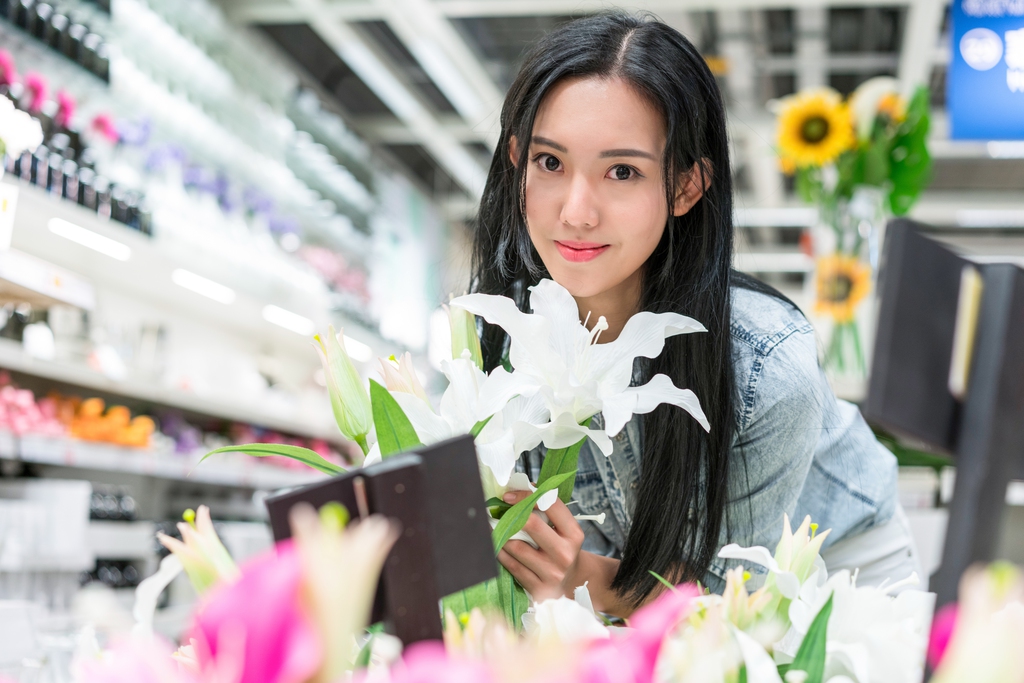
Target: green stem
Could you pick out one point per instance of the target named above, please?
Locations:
(361, 440)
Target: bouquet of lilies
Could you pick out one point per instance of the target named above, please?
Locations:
(559, 377)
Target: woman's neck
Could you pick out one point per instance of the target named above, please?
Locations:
(617, 305)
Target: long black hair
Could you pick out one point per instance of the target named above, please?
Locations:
(681, 499)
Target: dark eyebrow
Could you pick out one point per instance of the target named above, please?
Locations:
(627, 153)
(537, 140)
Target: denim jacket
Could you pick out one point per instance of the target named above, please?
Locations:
(797, 450)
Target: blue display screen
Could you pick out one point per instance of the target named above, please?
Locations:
(985, 85)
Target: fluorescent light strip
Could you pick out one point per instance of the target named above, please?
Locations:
(357, 350)
(90, 239)
(201, 285)
(288, 320)
(990, 218)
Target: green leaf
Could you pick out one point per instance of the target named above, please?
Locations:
(810, 658)
(263, 450)
(662, 579)
(481, 596)
(559, 461)
(395, 434)
(911, 169)
(363, 658)
(502, 506)
(515, 519)
(479, 427)
(512, 599)
(742, 678)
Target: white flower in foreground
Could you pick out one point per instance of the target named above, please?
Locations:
(562, 620)
(555, 355)
(18, 130)
(201, 553)
(472, 397)
(795, 560)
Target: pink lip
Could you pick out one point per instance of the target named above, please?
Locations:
(580, 252)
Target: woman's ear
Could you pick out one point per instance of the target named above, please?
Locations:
(513, 150)
(691, 186)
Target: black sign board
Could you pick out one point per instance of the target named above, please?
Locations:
(921, 322)
(434, 494)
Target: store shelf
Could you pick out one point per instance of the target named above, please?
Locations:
(121, 540)
(13, 357)
(63, 452)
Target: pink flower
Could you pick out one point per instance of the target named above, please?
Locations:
(8, 74)
(103, 124)
(65, 109)
(943, 626)
(427, 662)
(38, 89)
(631, 658)
(255, 630)
(133, 660)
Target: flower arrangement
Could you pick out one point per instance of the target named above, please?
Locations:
(557, 379)
(801, 625)
(859, 160)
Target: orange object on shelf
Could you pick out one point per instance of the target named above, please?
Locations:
(115, 425)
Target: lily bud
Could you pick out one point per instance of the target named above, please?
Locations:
(403, 378)
(464, 336)
(205, 559)
(349, 400)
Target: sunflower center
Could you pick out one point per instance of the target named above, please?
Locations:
(837, 288)
(815, 129)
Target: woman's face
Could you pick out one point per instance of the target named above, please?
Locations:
(595, 193)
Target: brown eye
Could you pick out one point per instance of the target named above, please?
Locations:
(622, 172)
(550, 163)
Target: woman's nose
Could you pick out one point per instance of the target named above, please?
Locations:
(579, 208)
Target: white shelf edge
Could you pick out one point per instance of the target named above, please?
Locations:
(13, 357)
(64, 452)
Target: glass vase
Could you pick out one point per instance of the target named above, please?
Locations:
(846, 245)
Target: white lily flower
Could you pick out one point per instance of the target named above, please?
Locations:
(402, 378)
(795, 560)
(562, 620)
(556, 356)
(470, 398)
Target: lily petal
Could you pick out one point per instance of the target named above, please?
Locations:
(429, 426)
(619, 408)
(500, 387)
(759, 664)
(787, 582)
(553, 302)
(526, 331)
(643, 335)
(561, 433)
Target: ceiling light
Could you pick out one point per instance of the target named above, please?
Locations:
(1009, 149)
(90, 239)
(357, 350)
(288, 320)
(201, 285)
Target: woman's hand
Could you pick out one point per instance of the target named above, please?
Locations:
(551, 570)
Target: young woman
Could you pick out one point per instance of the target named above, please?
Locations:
(612, 178)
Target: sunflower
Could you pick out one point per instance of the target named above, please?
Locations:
(841, 282)
(814, 127)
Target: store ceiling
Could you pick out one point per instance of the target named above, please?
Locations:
(424, 79)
